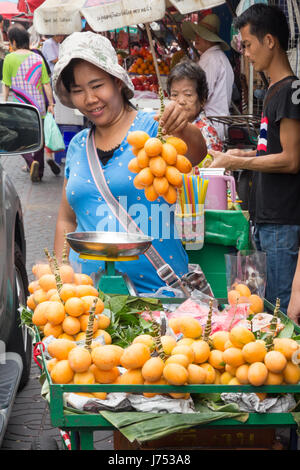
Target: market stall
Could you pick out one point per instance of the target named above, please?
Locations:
(115, 360)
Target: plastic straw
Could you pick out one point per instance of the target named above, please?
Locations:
(191, 193)
(185, 190)
(203, 191)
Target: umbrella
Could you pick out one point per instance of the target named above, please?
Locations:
(64, 16)
(28, 6)
(8, 9)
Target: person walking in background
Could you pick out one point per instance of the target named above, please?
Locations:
(214, 62)
(34, 44)
(274, 202)
(25, 75)
(50, 49)
(3, 47)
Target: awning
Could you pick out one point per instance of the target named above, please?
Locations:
(64, 16)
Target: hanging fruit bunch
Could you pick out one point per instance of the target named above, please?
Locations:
(159, 163)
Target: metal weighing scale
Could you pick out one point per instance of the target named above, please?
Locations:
(110, 247)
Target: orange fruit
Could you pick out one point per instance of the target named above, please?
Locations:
(84, 320)
(256, 303)
(169, 154)
(66, 273)
(216, 359)
(150, 193)
(233, 357)
(55, 312)
(106, 336)
(135, 356)
(53, 330)
(242, 373)
(71, 325)
(106, 357)
(174, 176)
(39, 269)
(152, 370)
(275, 361)
(39, 317)
(79, 359)
(142, 159)
(243, 290)
(146, 177)
(60, 348)
(62, 373)
(135, 151)
(175, 374)
(160, 184)
(179, 144)
(257, 373)
(137, 139)
(39, 296)
(153, 147)
(85, 289)
(67, 291)
(75, 306)
(83, 279)
(254, 352)
(133, 165)
(181, 359)
(137, 182)
(105, 376)
(171, 195)
(33, 286)
(132, 377)
(183, 164)
(158, 166)
(196, 374)
(233, 296)
(88, 301)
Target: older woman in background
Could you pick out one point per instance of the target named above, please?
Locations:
(187, 86)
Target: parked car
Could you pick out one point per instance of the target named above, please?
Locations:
(20, 132)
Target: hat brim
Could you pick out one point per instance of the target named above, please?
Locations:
(191, 30)
(63, 62)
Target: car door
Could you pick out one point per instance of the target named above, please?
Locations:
(3, 247)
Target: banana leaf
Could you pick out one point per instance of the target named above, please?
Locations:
(141, 427)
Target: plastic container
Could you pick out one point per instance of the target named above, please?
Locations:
(68, 132)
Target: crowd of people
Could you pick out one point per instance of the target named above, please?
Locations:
(89, 78)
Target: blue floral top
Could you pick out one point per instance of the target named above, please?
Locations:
(155, 219)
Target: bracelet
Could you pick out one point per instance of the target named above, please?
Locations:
(51, 104)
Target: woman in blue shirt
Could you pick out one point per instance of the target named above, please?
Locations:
(88, 77)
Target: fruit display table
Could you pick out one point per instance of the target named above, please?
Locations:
(225, 232)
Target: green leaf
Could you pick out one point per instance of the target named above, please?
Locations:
(287, 331)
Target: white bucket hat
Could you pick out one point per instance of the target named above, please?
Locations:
(95, 49)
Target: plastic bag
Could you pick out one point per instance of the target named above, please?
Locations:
(247, 267)
(53, 138)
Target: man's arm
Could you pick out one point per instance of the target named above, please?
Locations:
(293, 310)
(287, 161)
(5, 93)
(49, 94)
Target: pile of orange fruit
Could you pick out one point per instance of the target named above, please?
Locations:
(145, 66)
(240, 293)
(159, 166)
(65, 314)
(233, 357)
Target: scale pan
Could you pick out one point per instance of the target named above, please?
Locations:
(109, 244)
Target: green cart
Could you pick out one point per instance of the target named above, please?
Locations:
(80, 427)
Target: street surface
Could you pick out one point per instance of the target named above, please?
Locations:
(40, 202)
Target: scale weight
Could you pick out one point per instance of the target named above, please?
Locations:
(110, 247)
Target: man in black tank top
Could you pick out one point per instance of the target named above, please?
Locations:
(274, 204)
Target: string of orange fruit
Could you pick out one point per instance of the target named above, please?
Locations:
(158, 162)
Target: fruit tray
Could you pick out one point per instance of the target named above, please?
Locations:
(86, 423)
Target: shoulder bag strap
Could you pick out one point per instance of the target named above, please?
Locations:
(163, 269)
